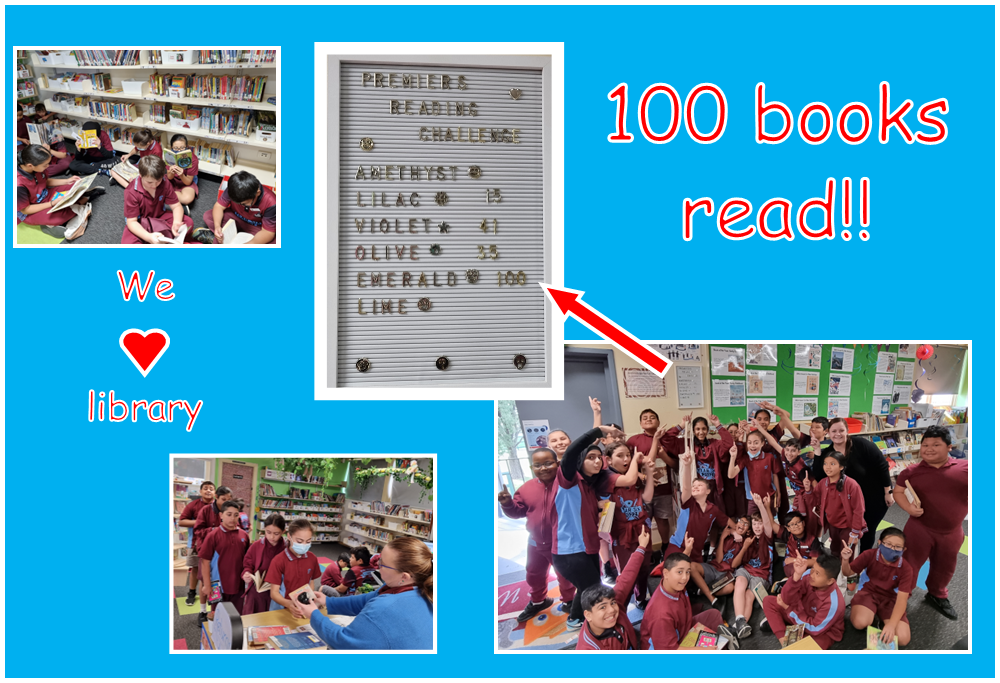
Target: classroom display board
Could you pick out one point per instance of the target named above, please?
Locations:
(440, 236)
(808, 380)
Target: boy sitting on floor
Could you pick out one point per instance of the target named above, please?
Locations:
(887, 580)
(810, 598)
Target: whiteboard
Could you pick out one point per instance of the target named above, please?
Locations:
(480, 325)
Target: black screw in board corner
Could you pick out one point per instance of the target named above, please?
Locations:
(362, 365)
(441, 363)
(520, 361)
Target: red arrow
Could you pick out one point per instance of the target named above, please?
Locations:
(569, 302)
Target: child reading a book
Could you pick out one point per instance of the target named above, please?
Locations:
(258, 561)
(939, 485)
(144, 144)
(221, 555)
(605, 609)
(253, 207)
(361, 568)
(22, 127)
(42, 114)
(293, 568)
(146, 199)
(333, 575)
(754, 573)
(811, 599)
(60, 157)
(669, 617)
(36, 194)
(887, 580)
(629, 517)
(758, 466)
(94, 160)
(184, 179)
(533, 502)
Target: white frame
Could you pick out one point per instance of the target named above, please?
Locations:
(548, 57)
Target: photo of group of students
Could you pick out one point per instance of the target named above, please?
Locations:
(780, 537)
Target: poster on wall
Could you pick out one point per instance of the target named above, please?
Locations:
(728, 393)
(838, 407)
(728, 361)
(690, 390)
(883, 384)
(754, 405)
(907, 351)
(762, 354)
(881, 405)
(886, 362)
(762, 382)
(805, 408)
(904, 371)
(641, 383)
(842, 359)
(808, 355)
(840, 385)
(900, 393)
(806, 383)
(680, 353)
(536, 433)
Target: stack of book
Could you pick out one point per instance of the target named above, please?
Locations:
(107, 57)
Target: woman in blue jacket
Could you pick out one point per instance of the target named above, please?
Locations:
(398, 616)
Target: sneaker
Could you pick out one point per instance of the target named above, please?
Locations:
(192, 596)
(610, 573)
(734, 642)
(187, 211)
(566, 607)
(743, 629)
(764, 625)
(641, 605)
(202, 617)
(94, 192)
(532, 609)
(942, 605)
(574, 624)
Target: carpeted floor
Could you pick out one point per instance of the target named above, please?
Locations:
(108, 219)
(188, 628)
(929, 629)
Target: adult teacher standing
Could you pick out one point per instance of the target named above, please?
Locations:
(866, 465)
(399, 616)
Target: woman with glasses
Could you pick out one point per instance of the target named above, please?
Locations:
(398, 616)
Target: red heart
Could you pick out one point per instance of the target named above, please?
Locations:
(144, 348)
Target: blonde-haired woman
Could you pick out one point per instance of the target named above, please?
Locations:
(399, 616)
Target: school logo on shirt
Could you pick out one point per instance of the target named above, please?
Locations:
(706, 471)
(630, 509)
(41, 195)
(755, 562)
(730, 554)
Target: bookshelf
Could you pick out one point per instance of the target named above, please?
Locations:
(257, 156)
(27, 89)
(323, 509)
(182, 488)
(368, 523)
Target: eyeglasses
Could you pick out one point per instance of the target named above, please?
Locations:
(385, 566)
(892, 547)
(544, 465)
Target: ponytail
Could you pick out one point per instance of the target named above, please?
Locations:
(415, 559)
(33, 155)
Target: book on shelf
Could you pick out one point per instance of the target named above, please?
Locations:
(267, 121)
(60, 200)
(183, 159)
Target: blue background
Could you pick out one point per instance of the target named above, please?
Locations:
(241, 325)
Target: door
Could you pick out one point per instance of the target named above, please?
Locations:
(241, 478)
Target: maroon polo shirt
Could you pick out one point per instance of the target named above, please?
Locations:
(32, 188)
(332, 576)
(353, 577)
(666, 621)
(533, 502)
(629, 515)
(231, 547)
(795, 473)
(943, 493)
(22, 129)
(140, 204)
(263, 215)
(885, 579)
(192, 509)
(643, 442)
(208, 518)
(730, 549)
(190, 171)
(808, 546)
(155, 150)
(697, 523)
(760, 472)
(294, 570)
(757, 558)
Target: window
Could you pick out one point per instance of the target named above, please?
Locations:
(193, 468)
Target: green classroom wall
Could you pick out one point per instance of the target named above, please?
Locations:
(862, 377)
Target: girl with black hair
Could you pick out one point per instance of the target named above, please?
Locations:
(836, 503)
(575, 542)
(711, 455)
(96, 159)
(258, 559)
(144, 144)
(35, 193)
(184, 180)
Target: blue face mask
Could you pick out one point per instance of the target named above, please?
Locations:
(301, 548)
(888, 554)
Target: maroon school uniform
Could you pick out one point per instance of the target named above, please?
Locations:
(94, 153)
(192, 509)
(353, 577)
(231, 547)
(820, 610)
(825, 499)
(150, 210)
(263, 215)
(622, 635)
(293, 570)
(534, 502)
(258, 559)
(668, 618)
(759, 472)
(734, 501)
(32, 188)
(808, 546)
(730, 549)
(208, 518)
(697, 524)
(881, 583)
(757, 558)
(643, 443)
(937, 535)
(629, 518)
(332, 576)
(709, 459)
(192, 172)
(58, 166)
(574, 518)
(795, 474)
(155, 150)
(22, 131)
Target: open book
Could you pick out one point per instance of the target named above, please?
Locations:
(231, 236)
(875, 640)
(258, 578)
(126, 170)
(181, 234)
(43, 133)
(794, 633)
(63, 199)
(88, 139)
(180, 159)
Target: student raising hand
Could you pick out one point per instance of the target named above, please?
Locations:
(733, 451)
(644, 537)
(595, 405)
(688, 545)
(714, 420)
(504, 496)
(799, 565)
(687, 457)
(613, 432)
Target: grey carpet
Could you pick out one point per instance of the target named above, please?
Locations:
(189, 628)
(929, 630)
(107, 222)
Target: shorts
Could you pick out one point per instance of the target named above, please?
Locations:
(754, 581)
(192, 559)
(712, 574)
(881, 605)
(663, 506)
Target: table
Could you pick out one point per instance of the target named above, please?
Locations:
(283, 617)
